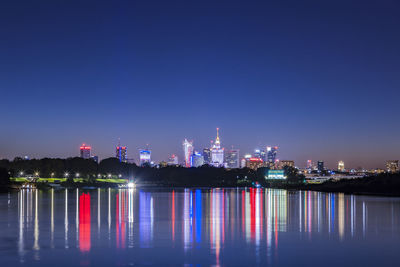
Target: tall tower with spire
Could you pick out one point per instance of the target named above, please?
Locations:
(187, 152)
(217, 153)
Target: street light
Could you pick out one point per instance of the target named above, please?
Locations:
(77, 175)
(36, 174)
(99, 175)
(119, 175)
(52, 174)
(109, 175)
(21, 173)
(66, 174)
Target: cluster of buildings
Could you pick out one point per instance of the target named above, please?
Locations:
(217, 156)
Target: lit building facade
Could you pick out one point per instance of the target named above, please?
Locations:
(144, 157)
(217, 153)
(320, 166)
(271, 156)
(207, 155)
(120, 153)
(309, 164)
(232, 158)
(392, 166)
(173, 160)
(85, 151)
(341, 166)
(196, 160)
(187, 151)
(254, 163)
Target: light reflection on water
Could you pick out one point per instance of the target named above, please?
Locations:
(192, 226)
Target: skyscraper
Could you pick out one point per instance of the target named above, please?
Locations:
(196, 160)
(271, 156)
(309, 164)
(187, 151)
(144, 157)
(120, 153)
(320, 165)
(341, 166)
(217, 153)
(232, 158)
(207, 155)
(85, 151)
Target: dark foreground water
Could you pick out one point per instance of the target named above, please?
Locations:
(219, 227)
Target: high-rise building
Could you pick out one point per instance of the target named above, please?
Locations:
(144, 157)
(271, 156)
(173, 160)
(320, 166)
(207, 155)
(187, 151)
(217, 153)
(85, 151)
(392, 166)
(340, 166)
(196, 160)
(232, 158)
(309, 164)
(257, 153)
(120, 153)
(254, 163)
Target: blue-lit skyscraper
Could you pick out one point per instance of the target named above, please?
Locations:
(196, 160)
(144, 157)
(271, 156)
(120, 153)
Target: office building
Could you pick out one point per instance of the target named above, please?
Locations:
(207, 155)
(144, 157)
(85, 151)
(320, 166)
(187, 152)
(254, 163)
(271, 156)
(196, 160)
(285, 163)
(232, 158)
(173, 160)
(120, 153)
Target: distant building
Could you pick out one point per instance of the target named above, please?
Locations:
(217, 153)
(309, 164)
(257, 153)
(173, 160)
(254, 163)
(320, 166)
(120, 153)
(144, 157)
(187, 151)
(271, 156)
(85, 151)
(207, 155)
(196, 160)
(341, 166)
(283, 163)
(163, 164)
(392, 166)
(232, 158)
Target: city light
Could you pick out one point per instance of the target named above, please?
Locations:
(109, 175)
(77, 175)
(131, 185)
(66, 174)
(21, 173)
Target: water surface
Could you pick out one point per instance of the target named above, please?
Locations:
(197, 227)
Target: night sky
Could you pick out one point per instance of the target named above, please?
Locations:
(319, 79)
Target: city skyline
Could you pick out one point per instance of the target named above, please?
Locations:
(318, 79)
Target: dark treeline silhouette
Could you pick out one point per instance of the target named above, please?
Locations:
(170, 175)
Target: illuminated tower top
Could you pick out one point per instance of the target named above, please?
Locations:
(85, 151)
(217, 143)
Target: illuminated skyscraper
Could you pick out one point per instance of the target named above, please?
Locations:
(85, 151)
(341, 166)
(321, 167)
(217, 153)
(271, 156)
(187, 151)
(120, 153)
(196, 160)
(207, 155)
(309, 164)
(144, 157)
(232, 158)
